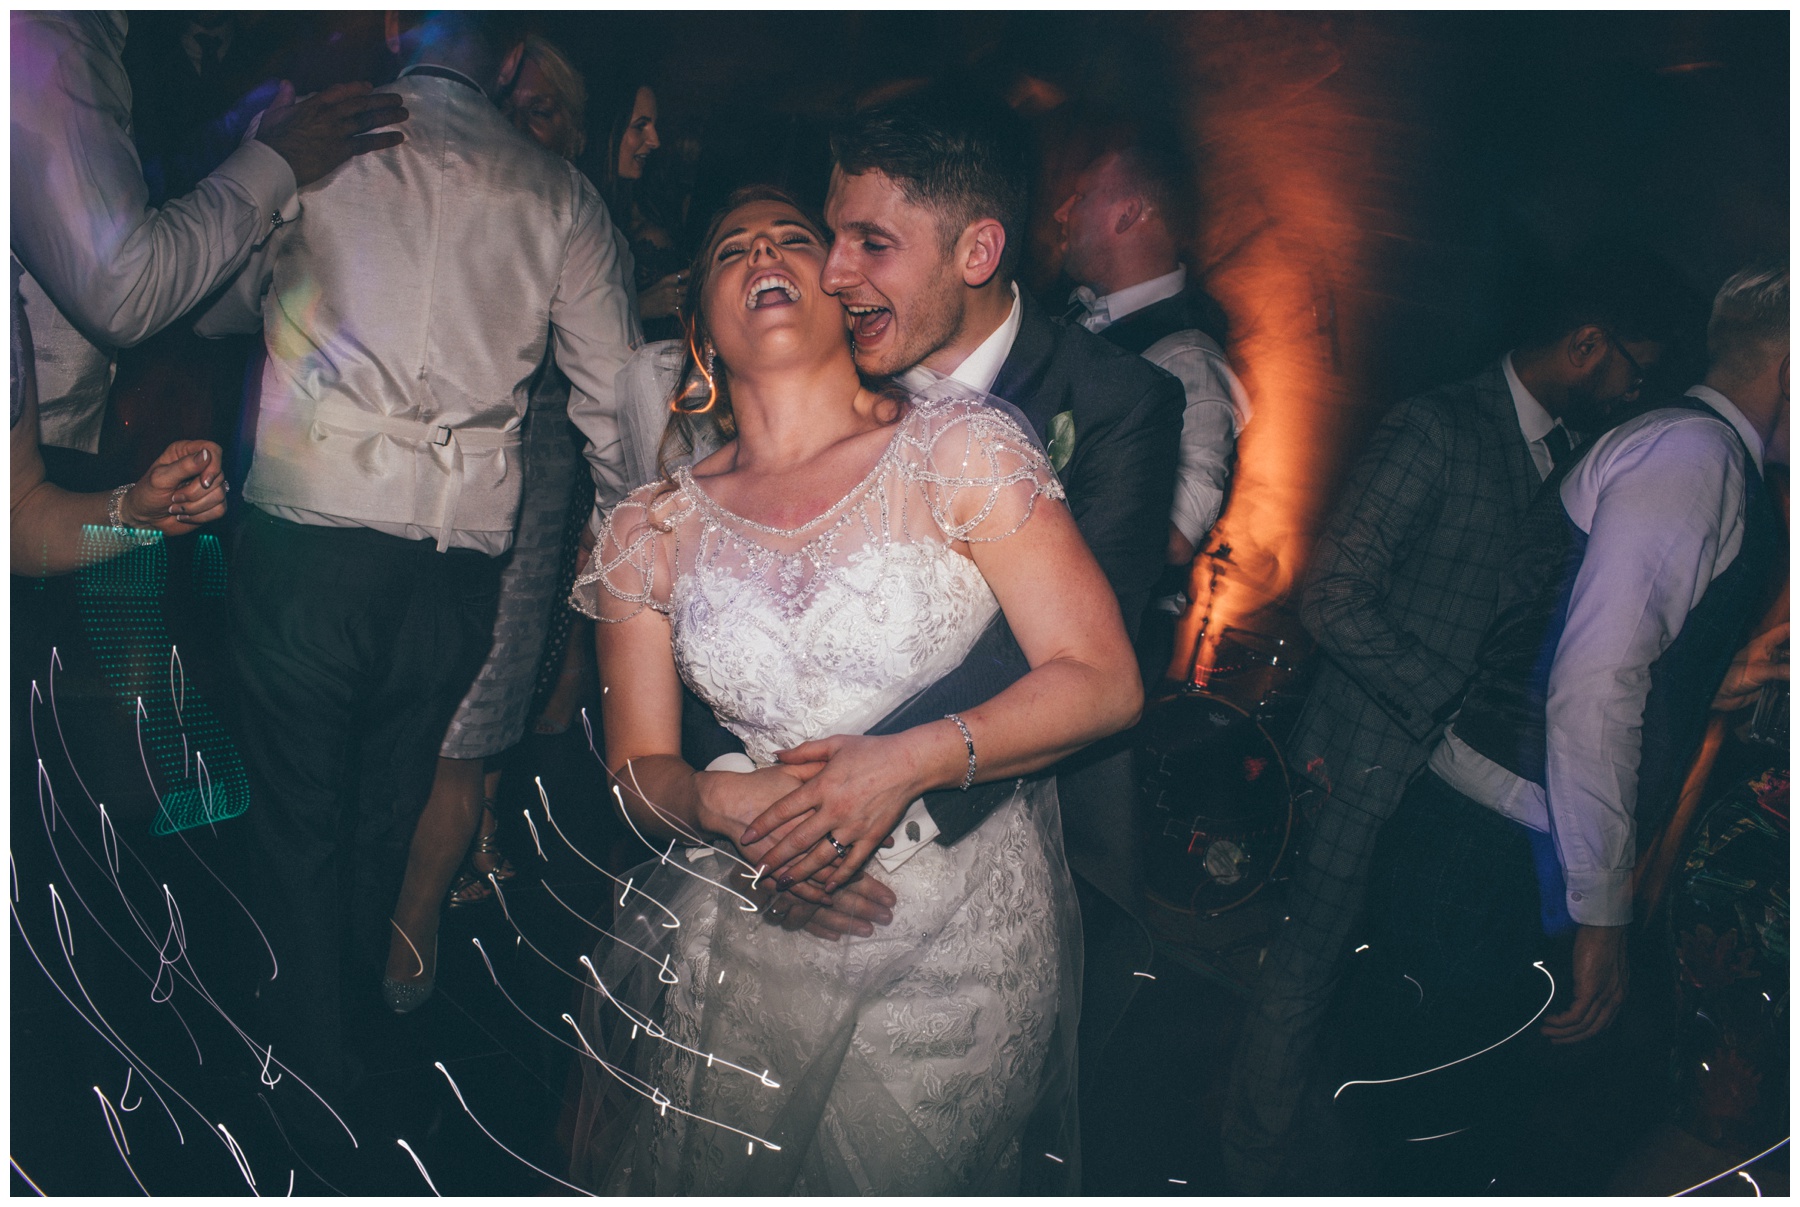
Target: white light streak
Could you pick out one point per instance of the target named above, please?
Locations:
(409, 943)
(551, 818)
(242, 1160)
(1360, 950)
(639, 1019)
(532, 826)
(439, 1065)
(177, 684)
(1752, 1182)
(1539, 965)
(1440, 1136)
(115, 1127)
(1734, 1169)
(268, 1056)
(415, 1160)
(1055, 1158)
(1145, 975)
(747, 906)
(49, 810)
(27, 1177)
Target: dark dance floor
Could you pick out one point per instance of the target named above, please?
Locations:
(467, 1095)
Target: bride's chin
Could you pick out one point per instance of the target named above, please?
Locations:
(793, 342)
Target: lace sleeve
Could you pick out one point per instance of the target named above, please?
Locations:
(980, 471)
(631, 568)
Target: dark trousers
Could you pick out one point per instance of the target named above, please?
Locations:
(1269, 1140)
(1453, 903)
(1458, 962)
(352, 650)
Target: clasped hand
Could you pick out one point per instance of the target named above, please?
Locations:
(181, 491)
(854, 906)
(853, 793)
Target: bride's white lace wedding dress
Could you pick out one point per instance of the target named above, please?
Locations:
(727, 1055)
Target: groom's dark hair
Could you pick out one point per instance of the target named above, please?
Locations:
(955, 149)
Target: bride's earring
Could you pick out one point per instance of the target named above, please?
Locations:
(707, 361)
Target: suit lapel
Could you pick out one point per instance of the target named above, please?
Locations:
(1021, 378)
(1495, 398)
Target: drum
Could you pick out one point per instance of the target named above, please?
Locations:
(1256, 671)
(1220, 808)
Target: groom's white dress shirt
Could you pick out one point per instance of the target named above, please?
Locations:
(406, 312)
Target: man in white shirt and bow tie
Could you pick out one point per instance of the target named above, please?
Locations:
(1123, 225)
(406, 312)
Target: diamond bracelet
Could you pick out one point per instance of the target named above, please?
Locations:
(968, 741)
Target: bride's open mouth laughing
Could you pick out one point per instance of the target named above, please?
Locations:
(771, 289)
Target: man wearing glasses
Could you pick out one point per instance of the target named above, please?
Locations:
(1502, 887)
(1403, 584)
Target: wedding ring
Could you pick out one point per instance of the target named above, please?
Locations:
(842, 850)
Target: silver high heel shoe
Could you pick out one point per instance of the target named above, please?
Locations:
(403, 997)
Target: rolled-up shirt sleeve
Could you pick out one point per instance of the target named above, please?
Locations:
(81, 221)
(594, 335)
(1666, 518)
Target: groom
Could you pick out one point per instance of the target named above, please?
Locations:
(928, 206)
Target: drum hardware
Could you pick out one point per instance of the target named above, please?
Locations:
(1769, 723)
(1219, 804)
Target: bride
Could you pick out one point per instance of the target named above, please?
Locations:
(840, 553)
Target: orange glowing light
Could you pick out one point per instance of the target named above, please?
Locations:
(1289, 173)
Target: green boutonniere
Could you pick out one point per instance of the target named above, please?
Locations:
(1062, 439)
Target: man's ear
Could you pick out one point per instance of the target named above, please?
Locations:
(1584, 346)
(1129, 213)
(390, 28)
(979, 250)
(509, 69)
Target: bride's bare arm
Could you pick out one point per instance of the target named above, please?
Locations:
(1083, 685)
(641, 711)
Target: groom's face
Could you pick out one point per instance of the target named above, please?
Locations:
(890, 270)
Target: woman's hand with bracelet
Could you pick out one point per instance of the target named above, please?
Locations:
(183, 489)
(856, 791)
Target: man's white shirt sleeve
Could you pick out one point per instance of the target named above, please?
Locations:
(1663, 508)
(81, 220)
(1217, 409)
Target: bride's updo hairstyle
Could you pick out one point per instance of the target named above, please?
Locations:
(702, 394)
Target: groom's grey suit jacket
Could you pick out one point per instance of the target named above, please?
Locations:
(1120, 480)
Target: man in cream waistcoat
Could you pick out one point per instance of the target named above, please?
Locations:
(406, 313)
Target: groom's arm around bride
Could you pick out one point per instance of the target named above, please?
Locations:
(1110, 420)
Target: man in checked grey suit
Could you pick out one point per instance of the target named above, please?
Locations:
(1402, 586)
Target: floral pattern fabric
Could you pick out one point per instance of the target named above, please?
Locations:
(731, 1056)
